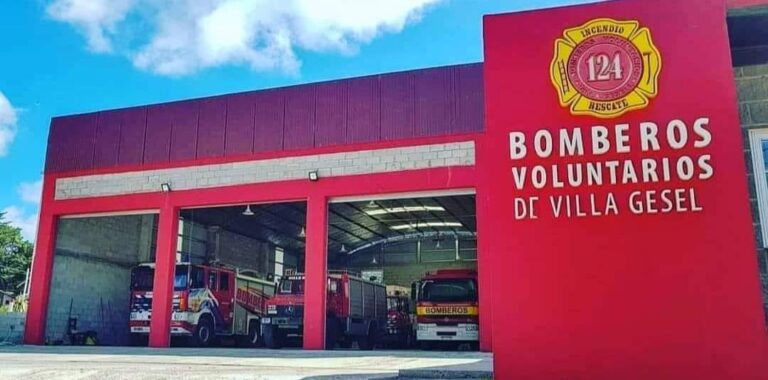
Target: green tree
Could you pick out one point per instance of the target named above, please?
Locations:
(15, 257)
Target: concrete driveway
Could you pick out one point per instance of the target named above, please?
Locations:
(31, 362)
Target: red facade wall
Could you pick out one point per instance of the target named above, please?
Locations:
(632, 295)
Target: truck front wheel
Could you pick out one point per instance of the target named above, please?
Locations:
(204, 332)
(273, 338)
(366, 342)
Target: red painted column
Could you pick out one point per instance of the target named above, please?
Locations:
(42, 268)
(42, 271)
(316, 264)
(165, 263)
(485, 257)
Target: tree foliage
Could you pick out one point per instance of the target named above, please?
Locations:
(15, 257)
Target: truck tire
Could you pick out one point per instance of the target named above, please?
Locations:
(331, 332)
(367, 341)
(272, 336)
(426, 345)
(204, 333)
(139, 340)
(254, 338)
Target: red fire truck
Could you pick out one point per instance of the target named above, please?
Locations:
(208, 302)
(399, 331)
(356, 311)
(446, 307)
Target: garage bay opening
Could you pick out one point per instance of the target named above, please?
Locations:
(402, 273)
(229, 263)
(91, 302)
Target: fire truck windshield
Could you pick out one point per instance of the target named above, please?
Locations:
(449, 290)
(292, 286)
(143, 278)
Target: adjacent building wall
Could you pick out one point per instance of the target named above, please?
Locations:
(752, 84)
(91, 275)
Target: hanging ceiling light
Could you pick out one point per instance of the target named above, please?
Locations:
(424, 225)
(371, 204)
(374, 262)
(405, 209)
(303, 232)
(248, 211)
(343, 248)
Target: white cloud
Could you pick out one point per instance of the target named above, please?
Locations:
(17, 217)
(96, 19)
(7, 124)
(185, 36)
(30, 192)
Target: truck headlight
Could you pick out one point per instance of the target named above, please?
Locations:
(266, 321)
(471, 327)
(423, 327)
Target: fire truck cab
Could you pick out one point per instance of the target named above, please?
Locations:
(356, 311)
(446, 307)
(208, 301)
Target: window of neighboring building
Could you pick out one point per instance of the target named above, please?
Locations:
(759, 143)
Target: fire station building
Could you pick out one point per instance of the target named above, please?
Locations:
(595, 191)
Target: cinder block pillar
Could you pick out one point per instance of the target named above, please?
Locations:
(316, 264)
(165, 263)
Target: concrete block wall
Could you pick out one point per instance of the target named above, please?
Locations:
(244, 252)
(12, 327)
(279, 169)
(752, 85)
(91, 275)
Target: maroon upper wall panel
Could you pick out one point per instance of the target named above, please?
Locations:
(61, 156)
(470, 98)
(157, 146)
(108, 138)
(389, 107)
(132, 133)
(299, 117)
(269, 123)
(184, 130)
(239, 127)
(331, 113)
(398, 106)
(364, 113)
(212, 120)
(434, 101)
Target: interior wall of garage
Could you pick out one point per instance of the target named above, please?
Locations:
(200, 242)
(407, 261)
(92, 274)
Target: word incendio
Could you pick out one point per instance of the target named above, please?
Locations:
(605, 156)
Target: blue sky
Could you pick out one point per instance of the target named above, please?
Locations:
(71, 56)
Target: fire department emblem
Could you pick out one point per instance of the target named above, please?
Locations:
(606, 68)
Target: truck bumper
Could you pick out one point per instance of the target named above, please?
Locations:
(463, 332)
(179, 324)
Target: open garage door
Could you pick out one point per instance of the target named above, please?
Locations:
(91, 299)
(232, 260)
(403, 273)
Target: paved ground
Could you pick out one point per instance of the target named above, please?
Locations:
(70, 363)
